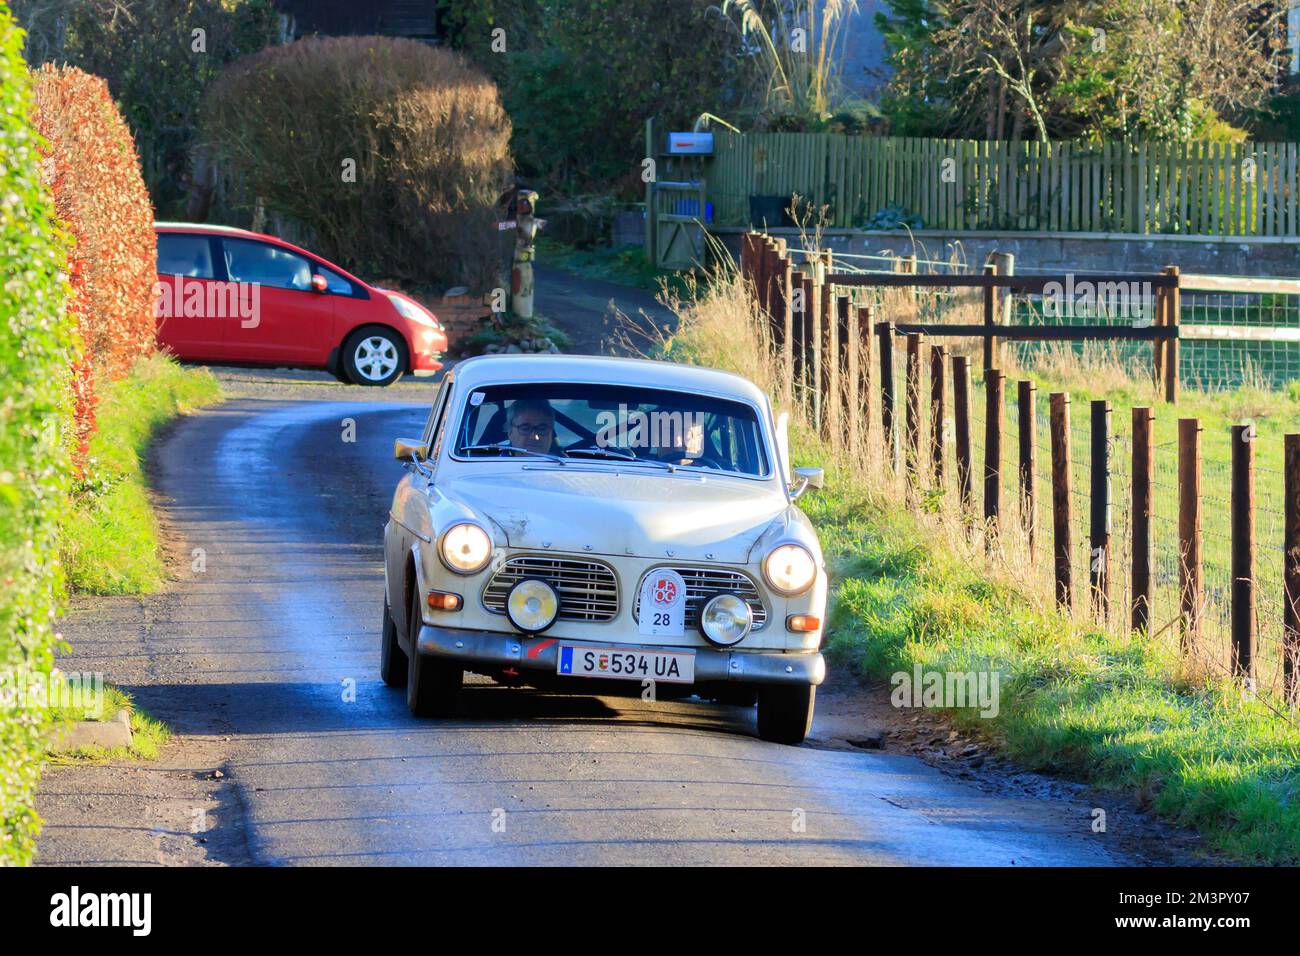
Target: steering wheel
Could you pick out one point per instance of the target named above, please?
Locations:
(704, 461)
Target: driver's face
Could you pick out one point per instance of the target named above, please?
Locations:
(532, 431)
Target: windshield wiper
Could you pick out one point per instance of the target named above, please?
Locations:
(522, 451)
(604, 452)
(620, 456)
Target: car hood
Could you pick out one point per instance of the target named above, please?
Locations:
(622, 513)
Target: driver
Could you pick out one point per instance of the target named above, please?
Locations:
(530, 424)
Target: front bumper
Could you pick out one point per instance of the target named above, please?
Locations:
(493, 650)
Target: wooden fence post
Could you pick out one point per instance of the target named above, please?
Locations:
(1026, 395)
(815, 340)
(990, 342)
(1099, 524)
(866, 322)
(832, 431)
(846, 401)
(938, 403)
(912, 413)
(1189, 530)
(1061, 532)
(890, 437)
(747, 256)
(1144, 476)
(799, 345)
(961, 432)
(1291, 575)
(787, 335)
(994, 382)
(1243, 553)
(1159, 314)
(1172, 309)
(1004, 264)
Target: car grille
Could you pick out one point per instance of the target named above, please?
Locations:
(702, 583)
(588, 590)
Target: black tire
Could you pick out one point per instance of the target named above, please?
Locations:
(785, 714)
(432, 685)
(386, 345)
(392, 659)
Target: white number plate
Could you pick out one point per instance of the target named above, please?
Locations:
(671, 667)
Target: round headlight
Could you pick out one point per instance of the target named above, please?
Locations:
(725, 619)
(532, 605)
(466, 548)
(790, 569)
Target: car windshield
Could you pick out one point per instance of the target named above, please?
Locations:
(575, 421)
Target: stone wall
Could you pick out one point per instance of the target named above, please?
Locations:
(1071, 252)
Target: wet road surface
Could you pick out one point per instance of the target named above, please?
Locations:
(263, 657)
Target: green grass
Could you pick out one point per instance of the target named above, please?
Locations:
(147, 734)
(110, 534)
(1099, 707)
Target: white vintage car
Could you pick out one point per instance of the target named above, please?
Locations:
(604, 525)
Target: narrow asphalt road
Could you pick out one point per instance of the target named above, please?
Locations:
(289, 750)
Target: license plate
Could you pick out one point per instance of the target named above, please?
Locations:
(671, 667)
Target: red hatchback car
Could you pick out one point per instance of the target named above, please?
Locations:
(236, 297)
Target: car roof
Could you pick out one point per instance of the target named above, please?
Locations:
(605, 370)
(208, 227)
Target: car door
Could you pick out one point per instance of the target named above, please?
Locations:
(292, 324)
(187, 276)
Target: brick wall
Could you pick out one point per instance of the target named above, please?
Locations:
(459, 314)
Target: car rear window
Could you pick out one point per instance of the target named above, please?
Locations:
(184, 255)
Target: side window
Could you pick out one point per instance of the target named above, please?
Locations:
(181, 254)
(438, 421)
(335, 282)
(250, 261)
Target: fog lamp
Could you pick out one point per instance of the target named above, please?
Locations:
(725, 619)
(532, 605)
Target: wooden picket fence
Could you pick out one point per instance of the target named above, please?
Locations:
(837, 356)
(1187, 188)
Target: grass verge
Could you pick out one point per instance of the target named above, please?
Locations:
(147, 734)
(110, 534)
(1074, 699)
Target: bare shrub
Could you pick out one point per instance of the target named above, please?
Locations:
(421, 129)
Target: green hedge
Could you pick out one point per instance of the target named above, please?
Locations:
(35, 351)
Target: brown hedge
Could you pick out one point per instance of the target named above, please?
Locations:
(100, 200)
(424, 129)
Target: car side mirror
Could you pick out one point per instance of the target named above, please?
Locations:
(409, 450)
(809, 478)
(319, 283)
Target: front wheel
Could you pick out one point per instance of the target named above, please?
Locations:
(432, 685)
(374, 356)
(785, 713)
